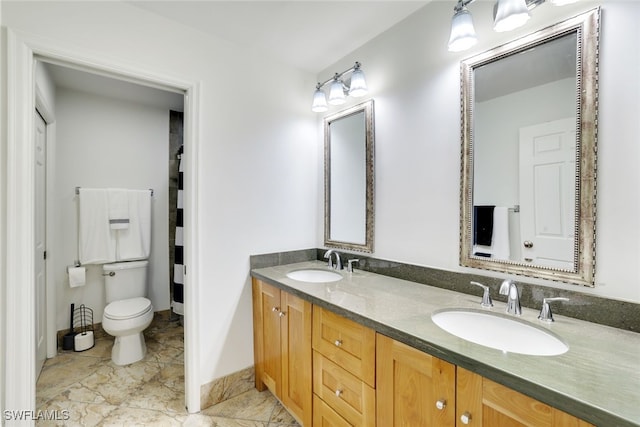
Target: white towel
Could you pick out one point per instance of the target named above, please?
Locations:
(118, 208)
(135, 241)
(500, 247)
(96, 242)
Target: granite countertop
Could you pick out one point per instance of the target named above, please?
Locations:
(597, 379)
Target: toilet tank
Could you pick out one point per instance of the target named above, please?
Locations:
(125, 280)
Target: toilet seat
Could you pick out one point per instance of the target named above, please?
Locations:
(127, 308)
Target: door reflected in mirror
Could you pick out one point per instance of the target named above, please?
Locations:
(349, 178)
(529, 139)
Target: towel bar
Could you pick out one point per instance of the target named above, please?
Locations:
(78, 191)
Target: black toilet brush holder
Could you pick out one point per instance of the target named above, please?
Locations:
(68, 340)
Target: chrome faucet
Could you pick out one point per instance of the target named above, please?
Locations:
(486, 296)
(338, 264)
(510, 289)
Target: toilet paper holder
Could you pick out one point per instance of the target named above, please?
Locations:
(83, 325)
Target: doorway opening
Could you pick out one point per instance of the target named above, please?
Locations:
(23, 55)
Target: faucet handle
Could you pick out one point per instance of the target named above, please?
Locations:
(486, 297)
(545, 312)
(350, 264)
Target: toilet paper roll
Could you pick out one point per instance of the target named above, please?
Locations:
(83, 341)
(77, 276)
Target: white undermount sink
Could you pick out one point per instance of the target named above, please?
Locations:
(499, 331)
(314, 275)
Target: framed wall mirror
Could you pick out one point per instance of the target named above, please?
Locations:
(348, 178)
(529, 131)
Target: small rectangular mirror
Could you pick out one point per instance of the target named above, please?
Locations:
(348, 178)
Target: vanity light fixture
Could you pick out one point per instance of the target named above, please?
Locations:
(510, 14)
(507, 15)
(338, 90)
(463, 34)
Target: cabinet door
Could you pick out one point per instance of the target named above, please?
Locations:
(410, 384)
(266, 336)
(485, 403)
(295, 315)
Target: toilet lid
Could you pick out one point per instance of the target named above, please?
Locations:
(127, 308)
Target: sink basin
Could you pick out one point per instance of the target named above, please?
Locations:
(499, 331)
(314, 276)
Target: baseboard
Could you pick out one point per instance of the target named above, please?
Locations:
(225, 388)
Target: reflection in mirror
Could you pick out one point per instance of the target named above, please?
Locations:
(348, 175)
(529, 140)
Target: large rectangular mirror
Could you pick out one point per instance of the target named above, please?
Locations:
(348, 178)
(529, 112)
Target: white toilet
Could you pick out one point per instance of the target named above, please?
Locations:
(128, 312)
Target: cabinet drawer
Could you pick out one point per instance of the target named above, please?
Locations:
(349, 396)
(324, 416)
(348, 344)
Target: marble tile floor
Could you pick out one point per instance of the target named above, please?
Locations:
(87, 389)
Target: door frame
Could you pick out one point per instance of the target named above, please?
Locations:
(46, 111)
(22, 52)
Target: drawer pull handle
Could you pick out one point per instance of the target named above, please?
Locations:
(465, 418)
(275, 309)
(338, 393)
(282, 314)
(441, 404)
(338, 343)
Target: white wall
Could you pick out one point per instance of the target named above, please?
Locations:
(415, 84)
(258, 181)
(102, 143)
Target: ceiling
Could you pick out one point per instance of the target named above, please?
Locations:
(308, 35)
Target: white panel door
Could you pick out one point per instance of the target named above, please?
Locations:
(547, 193)
(40, 136)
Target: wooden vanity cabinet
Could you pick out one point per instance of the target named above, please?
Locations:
(484, 403)
(416, 389)
(410, 384)
(329, 371)
(282, 348)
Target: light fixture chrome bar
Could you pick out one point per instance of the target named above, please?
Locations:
(531, 4)
(461, 4)
(338, 76)
(339, 90)
(507, 15)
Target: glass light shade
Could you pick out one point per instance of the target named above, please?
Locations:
(319, 102)
(358, 85)
(463, 34)
(336, 93)
(510, 15)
